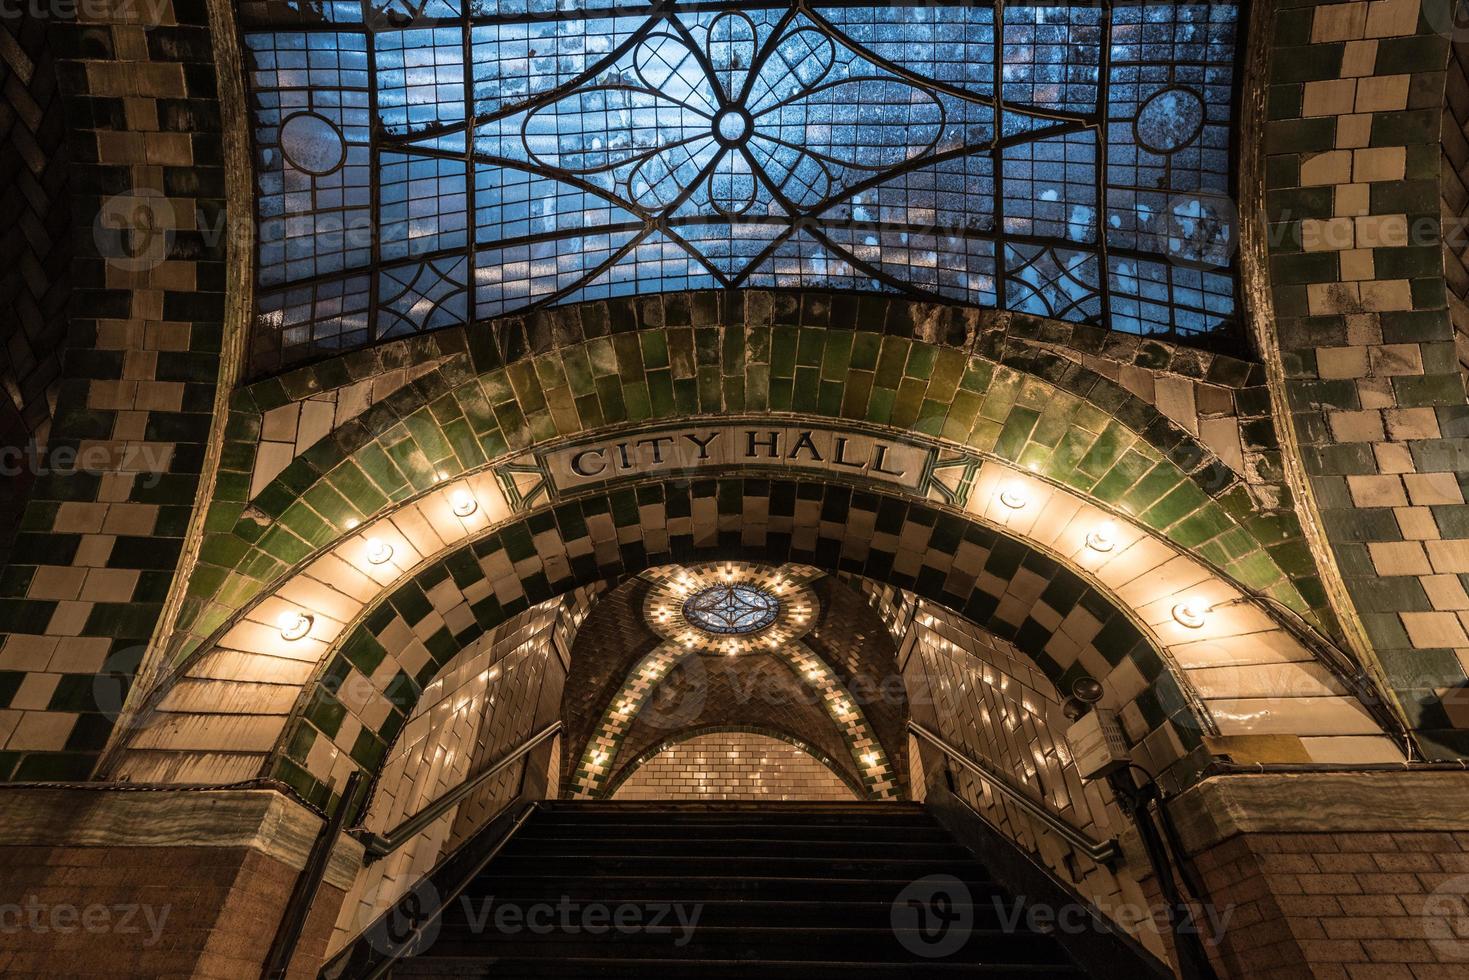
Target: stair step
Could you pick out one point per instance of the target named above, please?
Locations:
(741, 846)
(752, 818)
(463, 968)
(792, 833)
(787, 890)
(702, 888)
(985, 912)
(591, 864)
(715, 942)
(730, 806)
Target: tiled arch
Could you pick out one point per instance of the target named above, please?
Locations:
(631, 766)
(961, 377)
(599, 765)
(1350, 309)
(1026, 576)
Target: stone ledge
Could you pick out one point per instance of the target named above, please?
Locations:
(259, 819)
(1221, 807)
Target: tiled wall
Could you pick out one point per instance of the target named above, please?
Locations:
(1454, 184)
(485, 701)
(35, 250)
(962, 375)
(1364, 346)
(90, 569)
(733, 766)
(984, 696)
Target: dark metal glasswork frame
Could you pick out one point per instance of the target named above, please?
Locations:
(449, 161)
(731, 610)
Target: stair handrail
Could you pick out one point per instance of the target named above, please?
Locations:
(377, 846)
(1102, 852)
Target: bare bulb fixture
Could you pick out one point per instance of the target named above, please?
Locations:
(378, 551)
(1014, 496)
(463, 503)
(294, 624)
(1103, 537)
(1191, 612)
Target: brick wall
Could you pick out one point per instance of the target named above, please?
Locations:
(130, 884)
(733, 766)
(202, 912)
(1347, 874)
(1340, 904)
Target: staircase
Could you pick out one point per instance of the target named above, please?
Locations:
(733, 890)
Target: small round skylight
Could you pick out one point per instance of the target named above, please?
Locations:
(731, 609)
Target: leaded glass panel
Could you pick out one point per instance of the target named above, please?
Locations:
(463, 160)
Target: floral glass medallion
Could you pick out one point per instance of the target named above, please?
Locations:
(440, 162)
(731, 609)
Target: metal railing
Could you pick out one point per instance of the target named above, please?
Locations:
(378, 846)
(1102, 852)
(409, 945)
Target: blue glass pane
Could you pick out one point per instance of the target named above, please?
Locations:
(800, 261)
(419, 297)
(420, 78)
(730, 247)
(1052, 57)
(1070, 161)
(313, 156)
(517, 61)
(512, 204)
(953, 45)
(514, 276)
(1051, 188)
(423, 205)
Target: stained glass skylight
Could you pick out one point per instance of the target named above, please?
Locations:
(731, 609)
(447, 161)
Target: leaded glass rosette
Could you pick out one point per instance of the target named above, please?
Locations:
(731, 609)
(443, 162)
